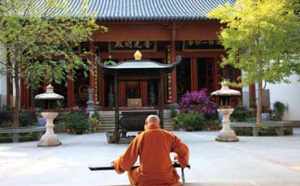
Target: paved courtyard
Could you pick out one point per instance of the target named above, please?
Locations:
(254, 161)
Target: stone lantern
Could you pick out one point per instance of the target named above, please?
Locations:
(224, 96)
(48, 98)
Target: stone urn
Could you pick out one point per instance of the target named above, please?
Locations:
(224, 96)
(49, 138)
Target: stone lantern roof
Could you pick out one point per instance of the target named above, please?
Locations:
(226, 91)
(49, 94)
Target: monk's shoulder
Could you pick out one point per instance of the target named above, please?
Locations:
(156, 132)
(167, 134)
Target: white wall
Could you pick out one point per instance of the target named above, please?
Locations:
(289, 94)
(2, 80)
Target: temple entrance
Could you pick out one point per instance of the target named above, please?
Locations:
(133, 93)
(183, 71)
(133, 97)
(81, 86)
(205, 68)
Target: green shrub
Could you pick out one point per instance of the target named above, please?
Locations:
(28, 118)
(60, 125)
(94, 122)
(190, 121)
(241, 114)
(76, 122)
(278, 111)
(6, 118)
(173, 110)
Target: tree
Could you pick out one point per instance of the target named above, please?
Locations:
(262, 38)
(41, 48)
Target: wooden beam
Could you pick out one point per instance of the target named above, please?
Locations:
(156, 31)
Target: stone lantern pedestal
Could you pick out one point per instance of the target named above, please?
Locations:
(49, 138)
(226, 134)
(224, 95)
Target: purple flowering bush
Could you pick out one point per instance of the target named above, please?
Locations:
(197, 101)
(197, 112)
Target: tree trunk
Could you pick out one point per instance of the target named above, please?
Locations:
(16, 119)
(259, 104)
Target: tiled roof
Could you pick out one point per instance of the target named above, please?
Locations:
(134, 10)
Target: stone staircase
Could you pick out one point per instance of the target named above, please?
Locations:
(108, 120)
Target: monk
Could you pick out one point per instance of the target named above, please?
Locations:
(153, 147)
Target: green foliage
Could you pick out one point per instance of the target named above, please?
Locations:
(6, 119)
(42, 46)
(174, 111)
(60, 125)
(29, 136)
(241, 114)
(94, 122)
(76, 122)
(189, 121)
(278, 111)
(262, 38)
(28, 118)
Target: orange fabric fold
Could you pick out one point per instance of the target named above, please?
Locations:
(152, 147)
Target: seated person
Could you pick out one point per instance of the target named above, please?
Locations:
(153, 148)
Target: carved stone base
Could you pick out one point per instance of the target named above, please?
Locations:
(226, 134)
(49, 139)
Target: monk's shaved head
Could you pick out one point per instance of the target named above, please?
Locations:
(152, 121)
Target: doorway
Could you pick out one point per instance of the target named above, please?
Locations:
(183, 76)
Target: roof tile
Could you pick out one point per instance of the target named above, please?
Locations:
(143, 10)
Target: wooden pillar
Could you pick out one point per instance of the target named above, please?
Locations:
(122, 93)
(92, 71)
(173, 59)
(252, 95)
(101, 86)
(144, 92)
(70, 91)
(194, 74)
(22, 94)
(92, 79)
(161, 99)
(116, 86)
(217, 73)
(9, 84)
(25, 94)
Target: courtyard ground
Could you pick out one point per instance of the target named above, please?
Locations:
(254, 161)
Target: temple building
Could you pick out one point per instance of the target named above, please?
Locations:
(161, 30)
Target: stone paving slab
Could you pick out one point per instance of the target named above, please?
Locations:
(260, 161)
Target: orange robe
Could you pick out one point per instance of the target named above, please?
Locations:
(153, 147)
